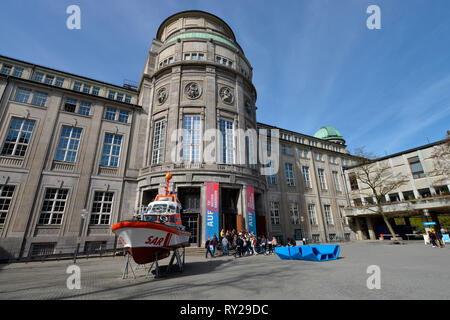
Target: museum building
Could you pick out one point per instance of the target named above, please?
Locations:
(77, 154)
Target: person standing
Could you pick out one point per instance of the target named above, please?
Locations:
(208, 247)
(432, 238)
(225, 246)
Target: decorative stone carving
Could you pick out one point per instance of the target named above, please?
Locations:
(226, 94)
(162, 95)
(193, 90)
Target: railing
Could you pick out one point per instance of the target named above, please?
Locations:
(11, 161)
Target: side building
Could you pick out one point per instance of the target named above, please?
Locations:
(422, 196)
(64, 152)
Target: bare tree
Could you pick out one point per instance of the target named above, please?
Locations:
(379, 179)
(441, 161)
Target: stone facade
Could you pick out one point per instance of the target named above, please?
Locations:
(78, 155)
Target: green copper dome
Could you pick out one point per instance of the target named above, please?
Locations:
(328, 133)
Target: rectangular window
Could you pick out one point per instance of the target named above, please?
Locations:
(289, 174)
(119, 96)
(111, 94)
(49, 79)
(416, 168)
(302, 153)
(353, 181)
(322, 180)
(6, 195)
(101, 208)
(77, 86)
(226, 141)
(128, 98)
(275, 212)
(337, 185)
(87, 88)
(187, 57)
(53, 206)
(194, 56)
(123, 116)
(293, 212)
(170, 60)
(218, 59)
(110, 114)
(38, 76)
(22, 95)
(111, 150)
(70, 105)
(312, 214)
(394, 197)
(158, 142)
(18, 137)
(69, 142)
(201, 56)
(85, 108)
(95, 91)
(191, 139)
(39, 99)
(369, 200)
(59, 82)
(18, 72)
(328, 214)
(306, 177)
(6, 69)
(357, 202)
(272, 179)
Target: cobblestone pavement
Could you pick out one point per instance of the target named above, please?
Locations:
(409, 271)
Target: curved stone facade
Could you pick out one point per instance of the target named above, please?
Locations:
(196, 80)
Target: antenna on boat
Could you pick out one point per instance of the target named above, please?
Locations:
(168, 177)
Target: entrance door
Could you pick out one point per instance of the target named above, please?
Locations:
(190, 213)
(191, 222)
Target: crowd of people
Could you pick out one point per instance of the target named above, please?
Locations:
(436, 238)
(242, 243)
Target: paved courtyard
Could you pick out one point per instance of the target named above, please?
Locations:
(409, 271)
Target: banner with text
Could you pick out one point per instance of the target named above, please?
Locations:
(212, 210)
(251, 219)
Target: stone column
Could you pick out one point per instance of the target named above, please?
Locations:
(372, 234)
(359, 231)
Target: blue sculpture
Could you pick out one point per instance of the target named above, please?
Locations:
(309, 252)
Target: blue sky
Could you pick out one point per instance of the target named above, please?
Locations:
(315, 62)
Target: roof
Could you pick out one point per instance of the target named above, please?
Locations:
(328, 133)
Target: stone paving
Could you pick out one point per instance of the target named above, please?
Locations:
(409, 271)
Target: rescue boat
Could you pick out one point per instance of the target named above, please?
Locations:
(156, 231)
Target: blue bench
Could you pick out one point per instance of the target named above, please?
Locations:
(309, 252)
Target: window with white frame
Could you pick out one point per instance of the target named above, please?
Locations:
(59, 82)
(6, 69)
(101, 208)
(289, 174)
(49, 79)
(18, 137)
(69, 142)
(77, 86)
(274, 212)
(226, 141)
(87, 88)
(337, 185)
(39, 99)
(191, 139)
(306, 176)
(159, 133)
(117, 115)
(6, 195)
(84, 108)
(312, 214)
(111, 94)
(95, 91)
(322, 180)
(293, 212)
(18, 72)
(302, 153)
(127, 98)
(53, 206)
(22, 95)
(38, 76)
(111, 150)
(328, 214)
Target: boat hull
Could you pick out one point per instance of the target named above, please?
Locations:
(146, 241)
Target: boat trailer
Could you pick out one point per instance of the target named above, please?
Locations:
(180, 261)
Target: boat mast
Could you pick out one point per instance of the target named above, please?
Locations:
(168, 177)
